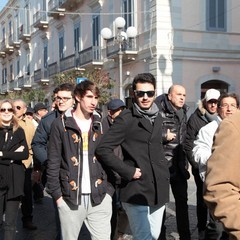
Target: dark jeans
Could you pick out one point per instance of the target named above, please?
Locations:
(27, 203)
(10, 208)
(179, 187)
(202, 211)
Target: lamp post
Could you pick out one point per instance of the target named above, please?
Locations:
(120, 38)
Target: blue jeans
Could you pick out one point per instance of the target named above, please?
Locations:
(145, 221)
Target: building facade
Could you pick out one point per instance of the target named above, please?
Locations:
(193, 43)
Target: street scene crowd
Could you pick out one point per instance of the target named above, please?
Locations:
(106, 172)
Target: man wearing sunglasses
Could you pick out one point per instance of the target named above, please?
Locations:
(29, 129)
(144, 189)
(174, 112)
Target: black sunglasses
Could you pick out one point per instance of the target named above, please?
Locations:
(6, 109)
(142, 93)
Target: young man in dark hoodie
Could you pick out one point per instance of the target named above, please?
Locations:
(174, 113)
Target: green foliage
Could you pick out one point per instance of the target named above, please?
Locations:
(28, 96)
(98, 76)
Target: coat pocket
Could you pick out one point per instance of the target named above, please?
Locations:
(64, 180)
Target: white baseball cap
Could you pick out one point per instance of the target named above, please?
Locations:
(212, 94)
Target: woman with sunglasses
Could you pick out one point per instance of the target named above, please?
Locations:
(13, 149)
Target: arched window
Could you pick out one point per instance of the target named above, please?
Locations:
(219, 85)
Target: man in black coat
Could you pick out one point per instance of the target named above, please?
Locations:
(173, 110)
(144, 171)
(205, 113)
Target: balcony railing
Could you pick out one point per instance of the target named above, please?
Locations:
(24, 33)
(68, 63)
(53, 69)
(41, 75)
(91, 55)
(24, 82)
(55, 10)
(127, 48)
(40, 20)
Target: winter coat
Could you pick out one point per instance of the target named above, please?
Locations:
(222, 182)
(196, 121)
(41, 137)
(141, 143)
(29, 130)
(64, 165)
(12, 171)
(202, 149)
(174, 151)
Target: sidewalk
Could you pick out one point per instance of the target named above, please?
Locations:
(44, 218)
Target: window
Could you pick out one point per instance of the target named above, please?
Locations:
(61, 44)
(216, 15)
(96, 30)
(10, 29)
(3, 34)
(128, 12)
(77, 36)
(96, 37)
(4, 75)
(147, 14)
(45, 54)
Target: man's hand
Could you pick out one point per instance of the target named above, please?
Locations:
(170, 136)
(137, 173)
(59, 201)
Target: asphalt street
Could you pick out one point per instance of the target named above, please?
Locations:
(44, 218)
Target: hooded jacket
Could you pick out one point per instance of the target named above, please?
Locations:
(64, 165)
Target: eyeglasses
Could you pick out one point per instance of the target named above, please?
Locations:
(225, 105)
(18, 107)
(6, 109)
(142, 93)
(64, 99)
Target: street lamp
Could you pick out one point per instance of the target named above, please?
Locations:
(120, 38)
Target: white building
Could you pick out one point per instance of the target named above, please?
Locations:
(193, 43)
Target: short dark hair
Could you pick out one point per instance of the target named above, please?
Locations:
(81, 88)
(225, 95)
(69, 87)
(144, 78)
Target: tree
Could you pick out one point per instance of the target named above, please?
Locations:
(99, 77)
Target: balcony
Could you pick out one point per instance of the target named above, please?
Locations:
(41, 76)
(24, 34)
(25, 81)
(52, 69)
(4, 88)
(70, 5)
(13, 42)
(2, 54)
(129, 50)
(40, 20)
(11, 86)
(91, 57)
(6, 48)
(55, 10)
(68, 63)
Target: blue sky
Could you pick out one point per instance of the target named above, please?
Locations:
(3, 3)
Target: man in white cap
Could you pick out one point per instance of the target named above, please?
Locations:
(205, 113)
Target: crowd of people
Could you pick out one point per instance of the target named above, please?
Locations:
(95, 167)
